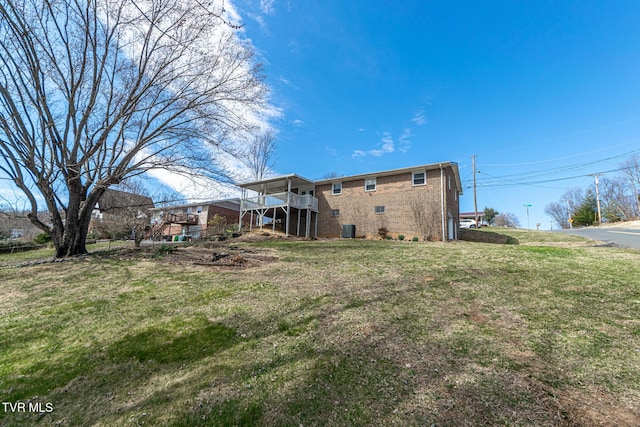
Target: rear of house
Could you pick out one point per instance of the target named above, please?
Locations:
(421, 201)
(191, 220)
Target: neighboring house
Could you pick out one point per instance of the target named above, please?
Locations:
(17, 233)
(421, 201)
(118, 213)
(191, 220)
(473, 215)
(16, 225)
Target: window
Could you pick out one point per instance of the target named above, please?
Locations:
(370, 184)
(419, 178)
(199, 209)
(336, 188)
(335, 213)
(379, 209)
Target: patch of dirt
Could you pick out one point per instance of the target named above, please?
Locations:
(229, 256)
(597, 408)
(224, 254)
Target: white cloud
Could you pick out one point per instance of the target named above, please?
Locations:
(298, 123)
(419, 118)
(260, 20)
(387, 146)
(267, 6)
(405, 140)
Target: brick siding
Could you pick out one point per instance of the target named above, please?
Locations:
(400, 199)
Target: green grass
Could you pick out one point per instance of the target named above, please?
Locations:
(335, 333)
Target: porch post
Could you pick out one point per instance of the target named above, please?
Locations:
(298, 228)
(308, 228)
(316, 232)
(241, 206)
(274, 220)
(286, 230)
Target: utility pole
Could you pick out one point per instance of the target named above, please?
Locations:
(569, 215)
(475, 200)
(596, 175)
(528, 206)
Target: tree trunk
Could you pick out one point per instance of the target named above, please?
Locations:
(73, 240)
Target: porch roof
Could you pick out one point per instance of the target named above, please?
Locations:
(278, 184)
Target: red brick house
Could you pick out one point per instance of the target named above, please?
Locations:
(191, 220)
(420, 201)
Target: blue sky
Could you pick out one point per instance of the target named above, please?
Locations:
(538, 90)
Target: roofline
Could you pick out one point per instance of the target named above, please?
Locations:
(208, 202)
(274, 179)
(430, 166)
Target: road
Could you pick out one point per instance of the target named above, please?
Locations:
(626, 237)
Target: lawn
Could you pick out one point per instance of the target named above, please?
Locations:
(337, 332)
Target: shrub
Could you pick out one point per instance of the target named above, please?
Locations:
(415, 239)
(388, 237)
(400, 236)
(162, 251)
(42, 239)
(383, 233)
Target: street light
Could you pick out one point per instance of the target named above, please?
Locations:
(528, 206)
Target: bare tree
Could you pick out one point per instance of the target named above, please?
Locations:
(260, 154)
(564, 209)
(618, 202)
(631, 169)
(330, 175)
(506, 219)
(92, 92)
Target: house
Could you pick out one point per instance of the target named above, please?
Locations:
(420, 201)
(191, 220)
(119, 214)
(473, 216)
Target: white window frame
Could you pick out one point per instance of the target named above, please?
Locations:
(333, 188)
(413, 178)
(368, 182)
(379, 210)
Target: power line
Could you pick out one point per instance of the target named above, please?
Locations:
(529, 178)
(518, 183)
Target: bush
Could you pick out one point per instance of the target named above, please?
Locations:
(415, 239)
(388, 237)
(42, 239)
(382, 232)
(400, 236)
(162, 251)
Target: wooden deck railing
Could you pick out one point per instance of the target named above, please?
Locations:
(268, 201)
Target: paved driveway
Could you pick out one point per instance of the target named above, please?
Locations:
(626, 237)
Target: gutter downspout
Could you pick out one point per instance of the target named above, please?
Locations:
(442, 213)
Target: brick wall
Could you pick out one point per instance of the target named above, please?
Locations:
(414, 211)
(232, 216)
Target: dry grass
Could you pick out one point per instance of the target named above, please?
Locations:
(329, 333)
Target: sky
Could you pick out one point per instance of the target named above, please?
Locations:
(542, 93)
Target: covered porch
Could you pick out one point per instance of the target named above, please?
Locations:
(286, 203)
